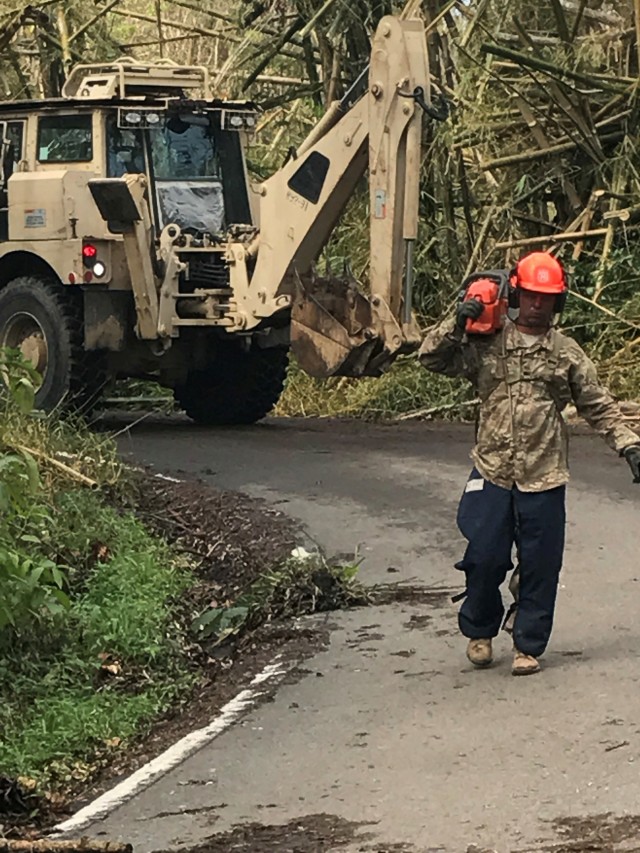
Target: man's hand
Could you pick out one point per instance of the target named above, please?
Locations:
(469, 310)
(632, 455)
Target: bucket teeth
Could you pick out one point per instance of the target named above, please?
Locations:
(338, 331)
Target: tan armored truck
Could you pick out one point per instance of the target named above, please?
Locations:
(132, 242)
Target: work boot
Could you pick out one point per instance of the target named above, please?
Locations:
(479, 652)
(524, 664)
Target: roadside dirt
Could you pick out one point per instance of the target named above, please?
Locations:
(231, 539)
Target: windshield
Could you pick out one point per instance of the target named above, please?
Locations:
(196, 171)
(185, 151)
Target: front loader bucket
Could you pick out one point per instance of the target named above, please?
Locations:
(338, 331)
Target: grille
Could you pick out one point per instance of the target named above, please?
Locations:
(208, 272)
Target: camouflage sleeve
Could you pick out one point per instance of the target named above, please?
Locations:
(444, 350)
(596, 404)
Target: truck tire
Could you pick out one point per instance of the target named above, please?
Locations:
(41, 317)
(240, 388)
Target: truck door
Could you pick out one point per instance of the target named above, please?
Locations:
(11, 153)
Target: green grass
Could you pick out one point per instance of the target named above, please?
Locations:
(407, 387)
(58, 713)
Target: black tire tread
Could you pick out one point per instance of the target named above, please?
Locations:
(86, 376)
(239, 389)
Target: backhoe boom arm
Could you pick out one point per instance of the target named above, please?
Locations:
(336, 329)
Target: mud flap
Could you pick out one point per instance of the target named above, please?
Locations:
(338, 331)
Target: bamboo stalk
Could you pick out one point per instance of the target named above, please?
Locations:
(435, 410)
(203, 10)
(619, 183)
(65, 469)
(315, 18)
(88, 24)
(606, 311)
(541, 138)
(578, 19)
(482, 7)
(190, 28)
(63, 32)
(602, 17)
(273, 51)
(536, 154)
(637, 17)
(548, 67)
(480, 240)
(586, 223)
(561, 20)
(152, 42)
(567, 236)
(160, 30)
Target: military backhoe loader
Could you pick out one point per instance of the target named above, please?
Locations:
(133, 244)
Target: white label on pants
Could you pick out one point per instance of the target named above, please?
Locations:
(474, 485)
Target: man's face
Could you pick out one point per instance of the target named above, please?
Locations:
(536, 309)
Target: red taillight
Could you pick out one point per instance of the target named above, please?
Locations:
(89, 254)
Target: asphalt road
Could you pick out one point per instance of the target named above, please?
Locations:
(400, 733)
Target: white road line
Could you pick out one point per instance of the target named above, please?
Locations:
(170, 758)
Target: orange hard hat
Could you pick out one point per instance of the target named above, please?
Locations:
(541, 272)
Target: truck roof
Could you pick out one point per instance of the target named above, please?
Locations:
(129, 83)
(61, 104)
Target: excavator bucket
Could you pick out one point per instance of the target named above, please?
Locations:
(338, 331)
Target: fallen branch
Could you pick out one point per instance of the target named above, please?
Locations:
(548, 67)
(609, 313)
(566, 237)
(436, 410)
(65, 469)
(540, 154)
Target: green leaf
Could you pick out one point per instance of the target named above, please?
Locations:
(32, 471)
(24, 395)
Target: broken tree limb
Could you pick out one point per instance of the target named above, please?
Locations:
(607, 311)
(548, 67)
(566, 237)
(176, 25)
(587, 216)
(480, 240)
(94, 20)
(619, 183)
(537, 154)
(65, 469)
(436, 410)
(612, 19)
(544, 144)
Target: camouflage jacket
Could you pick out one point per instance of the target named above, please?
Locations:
(522, 438)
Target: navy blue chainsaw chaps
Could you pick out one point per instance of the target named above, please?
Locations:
(493, 520)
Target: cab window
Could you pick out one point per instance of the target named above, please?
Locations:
(65, 139)
(125, 150)
(14, 136)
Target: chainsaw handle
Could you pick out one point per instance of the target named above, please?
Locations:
(501, 277)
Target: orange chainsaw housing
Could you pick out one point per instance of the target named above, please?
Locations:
(492, 290)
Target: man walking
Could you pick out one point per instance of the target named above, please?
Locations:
(525, 374)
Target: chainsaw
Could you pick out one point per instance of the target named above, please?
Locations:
(492, 289)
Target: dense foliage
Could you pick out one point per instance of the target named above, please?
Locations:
(540, 143)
